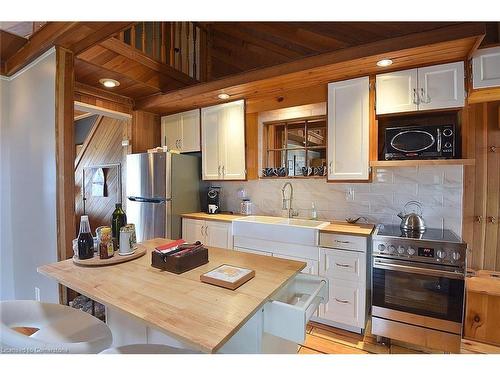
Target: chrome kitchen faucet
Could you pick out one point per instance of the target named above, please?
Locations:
(287, 202)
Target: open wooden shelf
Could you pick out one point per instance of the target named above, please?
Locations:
(414, 163)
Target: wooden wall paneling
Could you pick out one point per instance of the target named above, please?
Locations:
(252, 145)
(492, 238)
(146, 131)
(105, 148)
(88, 140)
(483, 318)
(480, 186)
(285, 99)
(65, 156)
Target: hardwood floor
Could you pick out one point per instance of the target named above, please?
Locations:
(321, 339)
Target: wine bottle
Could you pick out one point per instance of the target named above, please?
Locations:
(119, 219)
(85, 239)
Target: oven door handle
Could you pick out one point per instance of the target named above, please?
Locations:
(377, 263)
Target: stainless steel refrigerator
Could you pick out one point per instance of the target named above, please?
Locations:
(160, 186)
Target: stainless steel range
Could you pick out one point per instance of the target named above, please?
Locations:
(418, 286)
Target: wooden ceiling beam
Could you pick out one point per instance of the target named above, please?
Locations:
(313, 70)
(82, 88)
(74, 36)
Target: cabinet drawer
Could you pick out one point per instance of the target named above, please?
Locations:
(343, 264)
(289, 310)
(342, 241)
(346, 303)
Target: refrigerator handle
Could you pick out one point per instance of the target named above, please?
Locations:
(148, 200)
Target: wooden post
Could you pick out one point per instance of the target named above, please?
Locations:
(65, 158)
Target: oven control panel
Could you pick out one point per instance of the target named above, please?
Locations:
(426, 251)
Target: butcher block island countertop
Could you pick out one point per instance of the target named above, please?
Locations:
(201, 315)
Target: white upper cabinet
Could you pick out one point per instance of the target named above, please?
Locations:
(486, 68)
(223, 141)
(433, 87)
(348, 128)
(441, 86)
(397, 92)
(181, 131)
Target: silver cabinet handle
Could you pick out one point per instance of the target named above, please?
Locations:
(424, 97)
(415, 97)
(206, 231)
(341, 300)
(343, 265)
(201, 230)
(180, 144)
(218, 171)
(338, 241)
(330, 167)
(223, 173)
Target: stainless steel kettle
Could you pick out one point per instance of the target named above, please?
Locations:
(412, 222)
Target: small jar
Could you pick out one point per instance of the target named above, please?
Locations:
(246, 207)
(106, 248)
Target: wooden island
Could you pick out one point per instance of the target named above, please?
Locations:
(147, 305)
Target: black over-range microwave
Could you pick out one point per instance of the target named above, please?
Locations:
(421, 142)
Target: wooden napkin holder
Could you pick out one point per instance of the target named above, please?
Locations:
(180, 264)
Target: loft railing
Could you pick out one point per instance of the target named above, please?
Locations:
(176, 44)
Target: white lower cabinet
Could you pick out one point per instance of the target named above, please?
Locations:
(347, 273)
(346, 304)
(210, 233)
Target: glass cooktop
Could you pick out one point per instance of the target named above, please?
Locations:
(430, 234)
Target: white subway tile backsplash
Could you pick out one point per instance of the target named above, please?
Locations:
(430, 175)
(438, 188)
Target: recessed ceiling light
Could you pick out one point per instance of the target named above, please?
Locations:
(109, 83)
(384, 62)
(223, 96)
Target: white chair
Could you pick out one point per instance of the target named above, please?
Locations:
(147, 349)
(61, 329)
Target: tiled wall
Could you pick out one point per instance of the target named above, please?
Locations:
(438, 188)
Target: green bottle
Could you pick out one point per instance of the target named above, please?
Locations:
(118, 220)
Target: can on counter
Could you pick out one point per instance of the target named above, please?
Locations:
(105, 240)
(128, 239)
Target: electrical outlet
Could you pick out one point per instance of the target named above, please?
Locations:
(37, 293)
(349, 194)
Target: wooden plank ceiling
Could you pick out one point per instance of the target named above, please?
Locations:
(9, 44)
(447, 44)
(138, 74)
(232, 48)
(240, 46)
(74, 36)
